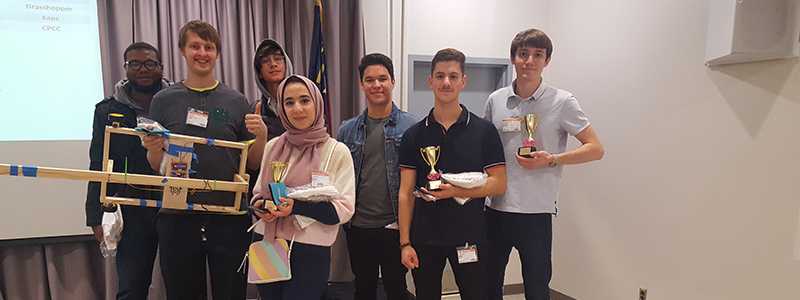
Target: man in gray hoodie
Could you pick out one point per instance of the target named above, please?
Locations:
(271, 65)
(136, 251)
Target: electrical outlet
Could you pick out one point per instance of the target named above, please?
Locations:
(642, 293)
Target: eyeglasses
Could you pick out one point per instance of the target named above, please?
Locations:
(278, 60)
(150, 64)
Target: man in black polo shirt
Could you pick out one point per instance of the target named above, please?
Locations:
(435, 231)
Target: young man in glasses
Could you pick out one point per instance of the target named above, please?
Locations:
(522, 217)
(271, 65)
(136, 251)
(201, 106)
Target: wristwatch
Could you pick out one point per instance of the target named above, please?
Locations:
(554, 163)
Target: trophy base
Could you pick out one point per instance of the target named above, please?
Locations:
(277, 190)
(526, 151)
(433, 185)
(270, 203)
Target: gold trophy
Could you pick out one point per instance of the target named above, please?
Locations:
(528, 146)
(430, 155)
(277, 189)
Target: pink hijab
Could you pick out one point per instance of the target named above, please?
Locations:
(309, 141)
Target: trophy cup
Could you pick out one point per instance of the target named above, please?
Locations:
(530, 121)
(430, 155)
(277, 189)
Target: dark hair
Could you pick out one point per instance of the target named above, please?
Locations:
(267, 50)
(202, 29)
(375, 59)
(532, 38)
(141, 45)
(449, 54)
(291, 79)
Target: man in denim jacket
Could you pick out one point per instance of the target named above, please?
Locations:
(374, 140)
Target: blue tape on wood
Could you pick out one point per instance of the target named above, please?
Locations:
(164, 181)
(14, 170)
(165, 135)
(210, 142)
(142, 202)
(175, 150)
(29, 171)
(191, 206)
(158, 204)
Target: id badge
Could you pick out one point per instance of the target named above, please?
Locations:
(197, 117)
(512, 124)
(319, 179)
(467, 254)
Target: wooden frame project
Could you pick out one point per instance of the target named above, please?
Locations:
(176, 183)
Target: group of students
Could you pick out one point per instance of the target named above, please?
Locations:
(375, 163)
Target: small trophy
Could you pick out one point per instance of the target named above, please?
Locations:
(530, 121)
(277, 189)
(430, 155)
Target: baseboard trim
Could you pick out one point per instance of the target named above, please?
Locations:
(519, 289)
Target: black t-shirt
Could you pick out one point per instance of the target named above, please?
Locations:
(471, 144)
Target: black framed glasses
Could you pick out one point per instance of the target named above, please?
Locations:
(278, 60)
(136, 65)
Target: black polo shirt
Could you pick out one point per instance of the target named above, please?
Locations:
(472, 144)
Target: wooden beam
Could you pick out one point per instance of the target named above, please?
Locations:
(112, 177)
(193, 139)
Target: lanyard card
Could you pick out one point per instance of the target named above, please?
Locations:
(467, 254)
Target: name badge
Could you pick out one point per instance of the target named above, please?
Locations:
(320, 179)
(512, 124)
(197, 117)
(467, 254)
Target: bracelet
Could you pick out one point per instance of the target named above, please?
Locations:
(404, 245)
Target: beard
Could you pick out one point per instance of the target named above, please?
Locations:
(146, 89)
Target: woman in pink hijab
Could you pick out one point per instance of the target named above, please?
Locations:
(307, 148)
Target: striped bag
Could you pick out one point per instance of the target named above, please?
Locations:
(269, 261)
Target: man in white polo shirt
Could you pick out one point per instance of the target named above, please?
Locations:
(522, 217)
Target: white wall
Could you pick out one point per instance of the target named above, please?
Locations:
(697, 196)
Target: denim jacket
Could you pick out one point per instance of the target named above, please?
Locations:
(353, 132)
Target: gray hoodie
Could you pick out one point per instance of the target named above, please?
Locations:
(270, 100)
(122, 91)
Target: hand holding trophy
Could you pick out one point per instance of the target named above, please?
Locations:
(277, 189)
(430, 155)
(530, 121)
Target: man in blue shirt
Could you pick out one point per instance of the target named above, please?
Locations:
(374, 141)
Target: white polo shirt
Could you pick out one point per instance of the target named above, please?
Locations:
(533, 191)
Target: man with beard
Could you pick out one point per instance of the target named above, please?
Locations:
(136, 251)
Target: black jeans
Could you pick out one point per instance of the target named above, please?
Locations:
(136, 252)
(532, 235)
(470, 277)
(373, 248)
(310, 265)
(187, 241)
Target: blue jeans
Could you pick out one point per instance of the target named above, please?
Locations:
(532, 235)
(310, 265)
(136, 252)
